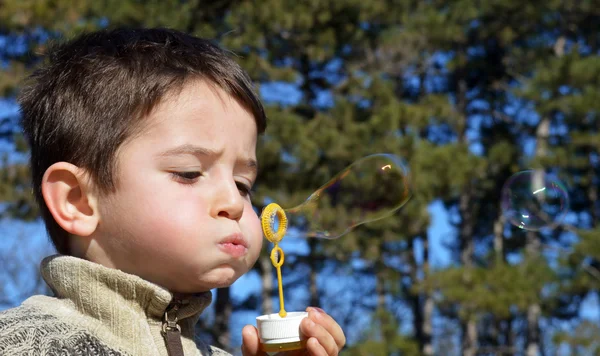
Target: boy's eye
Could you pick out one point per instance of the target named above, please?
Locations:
(186, 177)
(244, 189)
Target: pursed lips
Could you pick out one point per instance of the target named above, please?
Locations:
(234, 244)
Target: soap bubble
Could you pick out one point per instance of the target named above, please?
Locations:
(534, 199)
(369, 189)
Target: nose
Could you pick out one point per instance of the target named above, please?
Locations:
(228, 202)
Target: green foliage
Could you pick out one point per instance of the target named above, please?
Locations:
(383, 339)
(15, 189)
(499, 290)
(583, 340)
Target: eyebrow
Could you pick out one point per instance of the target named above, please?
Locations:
(189, 149)
(250, 164)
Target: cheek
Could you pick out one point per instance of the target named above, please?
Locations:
(178, 215)
(165, 213)
(252, 226)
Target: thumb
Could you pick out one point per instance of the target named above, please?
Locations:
(250, 341)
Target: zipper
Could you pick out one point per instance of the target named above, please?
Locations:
(171, 330)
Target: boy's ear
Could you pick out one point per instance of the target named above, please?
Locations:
(71, 198)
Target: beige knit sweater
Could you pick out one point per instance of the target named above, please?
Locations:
(97, 311)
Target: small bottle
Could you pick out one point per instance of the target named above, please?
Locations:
(279, 334)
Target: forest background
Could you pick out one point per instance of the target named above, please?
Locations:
(468, 92)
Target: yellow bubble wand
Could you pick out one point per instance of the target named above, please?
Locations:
(277, 256)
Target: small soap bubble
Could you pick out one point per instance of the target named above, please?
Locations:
(533, 199)
(369, 189)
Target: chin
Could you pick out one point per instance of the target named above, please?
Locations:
(221, 277)
(206, 286)
(226, 281)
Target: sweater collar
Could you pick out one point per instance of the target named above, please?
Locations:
(109, 294)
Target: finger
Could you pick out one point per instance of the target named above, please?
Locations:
(250, 341)
(313, 330)
(315, 348)
(320, 317)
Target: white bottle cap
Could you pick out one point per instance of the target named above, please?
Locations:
(273, 329)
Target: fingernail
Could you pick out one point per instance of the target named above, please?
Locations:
(318, 310)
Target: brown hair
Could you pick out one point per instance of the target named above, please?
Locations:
(88, 98)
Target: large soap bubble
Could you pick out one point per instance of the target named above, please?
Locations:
(534, 199)
(370, 189)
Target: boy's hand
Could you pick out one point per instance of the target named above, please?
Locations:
(324, 337)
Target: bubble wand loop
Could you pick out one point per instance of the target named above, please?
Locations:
(277, 256)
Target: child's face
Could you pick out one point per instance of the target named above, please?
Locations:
(181, 215)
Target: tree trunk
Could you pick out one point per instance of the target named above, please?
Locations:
(466, 235)
(534, 244)
(533, 335)
(415, 299)
(428, 305)
(426, 320)
(470, 338)
(510, 334)
(222, 314)
(499, 237)
(421, 304)
(533, 241)
(592, 193)
(502, 337)
(466, 226)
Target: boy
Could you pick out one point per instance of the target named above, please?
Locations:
(142, 155)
